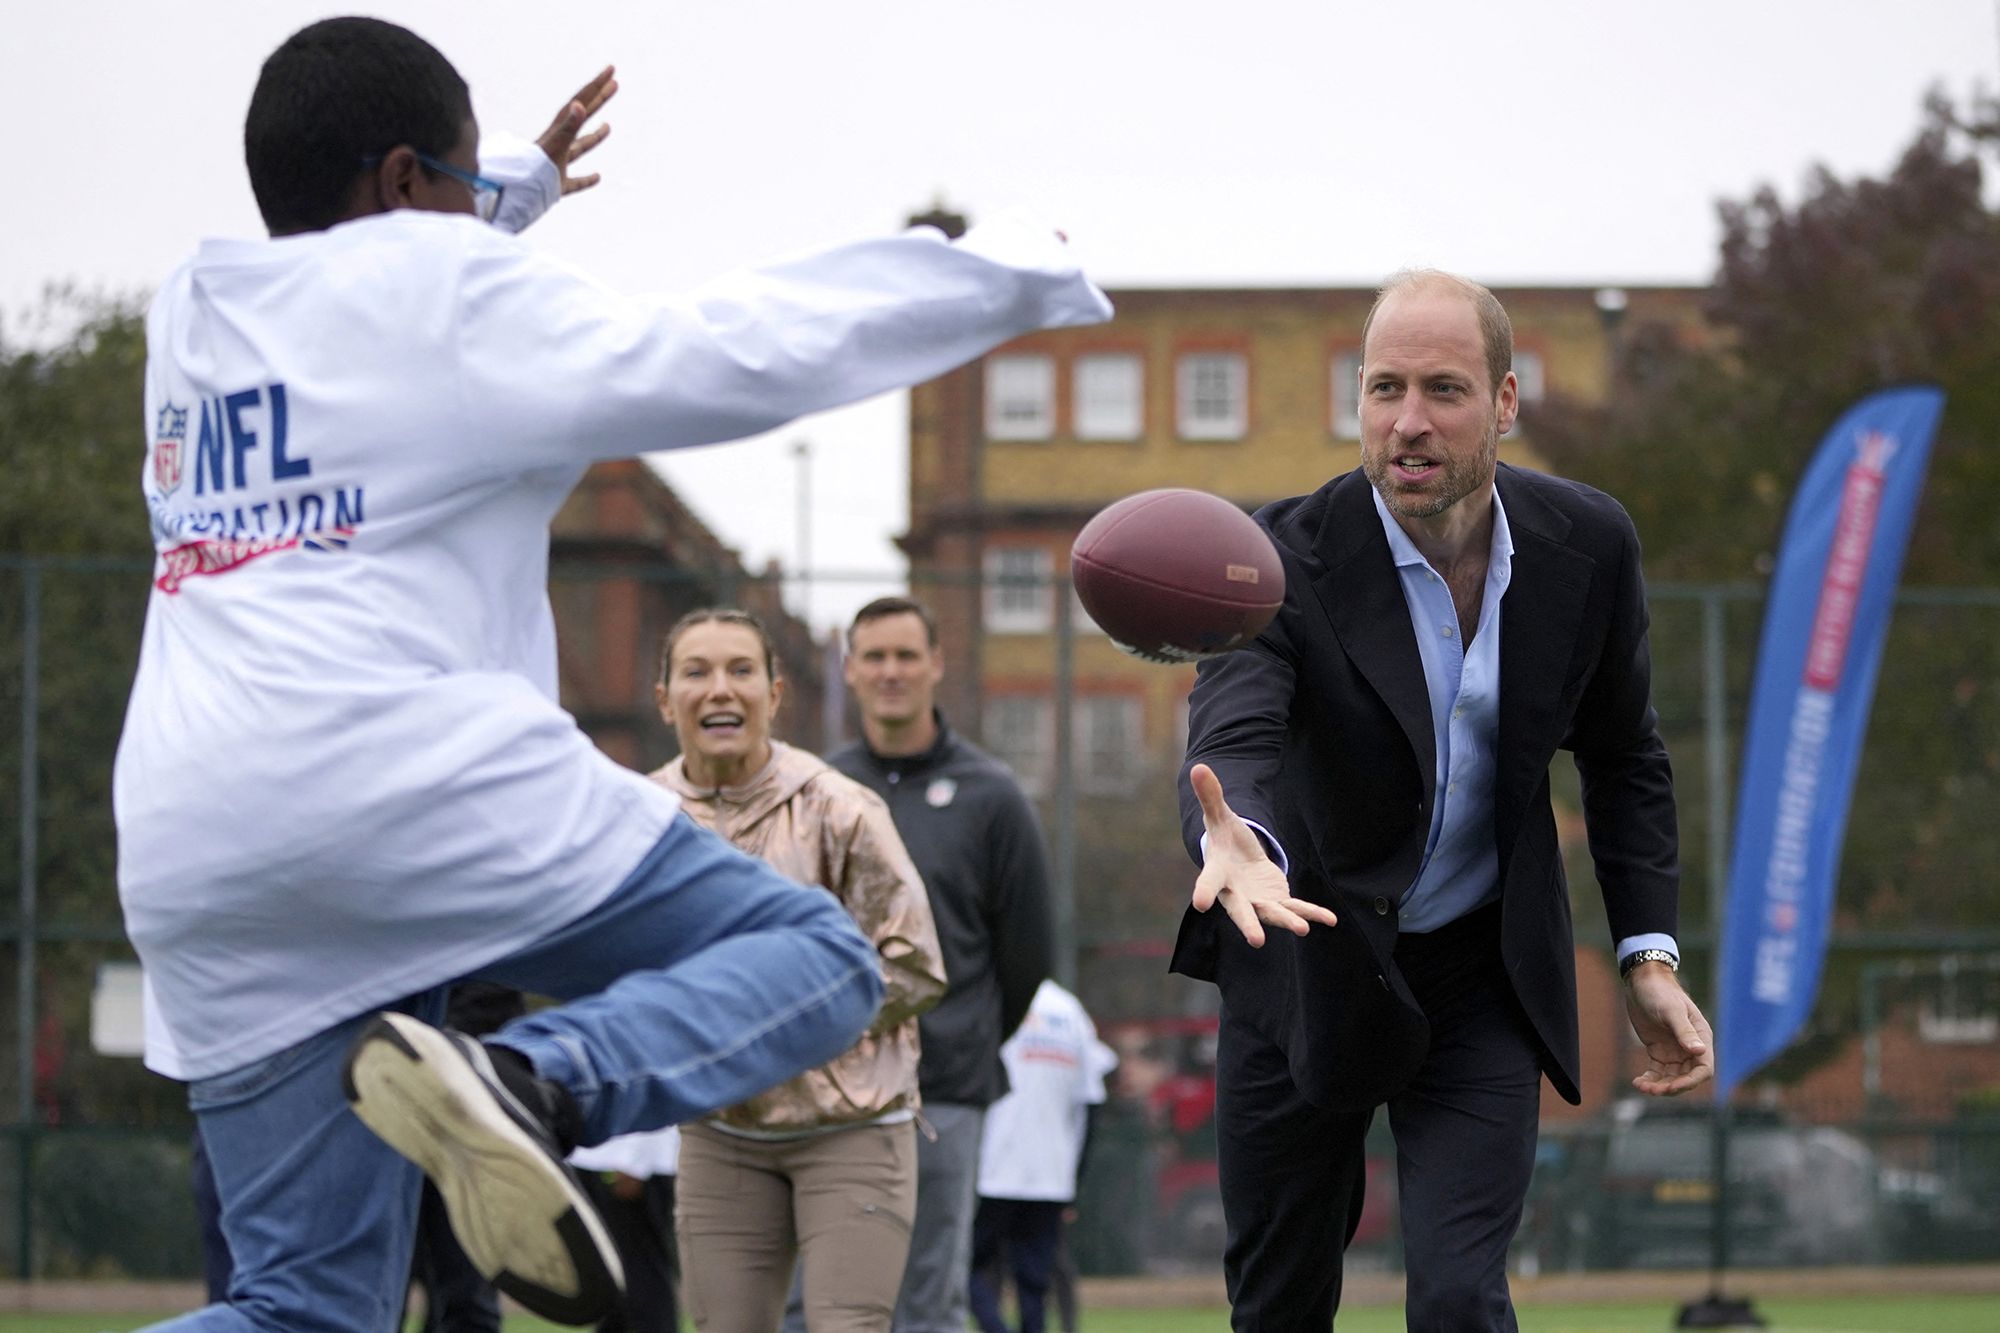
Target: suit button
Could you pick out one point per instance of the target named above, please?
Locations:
(1382, 981)
(1381, 907)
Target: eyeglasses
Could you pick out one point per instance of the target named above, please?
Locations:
(485, 193)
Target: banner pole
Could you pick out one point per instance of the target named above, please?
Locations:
(1717, 1310)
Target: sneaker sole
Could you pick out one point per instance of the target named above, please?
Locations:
(516, 1209)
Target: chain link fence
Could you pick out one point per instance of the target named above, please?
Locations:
(1876, 1138)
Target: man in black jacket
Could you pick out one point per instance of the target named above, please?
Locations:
(974, 839)
(1397, 923)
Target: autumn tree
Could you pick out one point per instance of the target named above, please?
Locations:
(1859, 284)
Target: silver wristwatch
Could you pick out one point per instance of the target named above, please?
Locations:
(1638, 956)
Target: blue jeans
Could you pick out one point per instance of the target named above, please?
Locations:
(706, 977)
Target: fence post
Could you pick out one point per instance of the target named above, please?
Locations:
(1065, 811)
(31, 672)
(1715, 732)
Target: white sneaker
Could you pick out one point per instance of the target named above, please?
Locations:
(434, 1096)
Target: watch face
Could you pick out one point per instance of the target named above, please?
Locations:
(1638, 956)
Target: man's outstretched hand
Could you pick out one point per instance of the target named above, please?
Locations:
(560, 140)
(1239, 874)
(1680, 1049)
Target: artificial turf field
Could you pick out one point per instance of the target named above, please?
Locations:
(1898, 1314)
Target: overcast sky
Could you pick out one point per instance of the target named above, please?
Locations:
(1253, 142)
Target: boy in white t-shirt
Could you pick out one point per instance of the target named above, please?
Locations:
(344, 779)
(1031, 1151)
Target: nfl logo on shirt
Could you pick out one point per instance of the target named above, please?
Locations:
(170, 449)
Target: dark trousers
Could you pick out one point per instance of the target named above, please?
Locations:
(643, 1231)
(1017, 1236)
(456, 1298)
(1293, 1173)
(1062, 1282)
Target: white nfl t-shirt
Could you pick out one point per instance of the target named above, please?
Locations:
(1033, 1138)
(344, 776)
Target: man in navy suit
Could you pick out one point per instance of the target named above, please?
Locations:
(1398, 927)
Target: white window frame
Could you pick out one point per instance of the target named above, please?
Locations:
(1198, 420)
(1103, 770)
(1001, 726)
(1020, 396)
(1959, 1013)
(1108, 396)
(1531, 376)
(1344, 374)
(1017, 596)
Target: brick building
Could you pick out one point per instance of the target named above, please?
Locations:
(627, 559)
(1251, 394)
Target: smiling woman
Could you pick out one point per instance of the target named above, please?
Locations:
(718, 690)
(821, 1170)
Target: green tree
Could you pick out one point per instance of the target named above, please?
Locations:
(70, 431)
(71, 447)
(1860, 284)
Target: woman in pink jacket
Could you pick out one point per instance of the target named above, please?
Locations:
(823, 1169)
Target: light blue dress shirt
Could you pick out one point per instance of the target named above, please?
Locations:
(1461, 866)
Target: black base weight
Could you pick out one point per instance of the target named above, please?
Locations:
(1717, 1311)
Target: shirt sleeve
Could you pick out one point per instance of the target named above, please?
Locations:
(530, 184)
(555, 370)
(1272, 848)
(1021, 907)
(1631, 944)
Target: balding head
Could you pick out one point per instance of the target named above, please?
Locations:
(1496, 331)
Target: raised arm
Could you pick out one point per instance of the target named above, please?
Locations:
(560, 371)
(565, 140)
(534, 175)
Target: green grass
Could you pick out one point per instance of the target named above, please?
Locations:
(1913, 1314)
(1933, 1314)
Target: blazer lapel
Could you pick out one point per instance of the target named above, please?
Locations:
(1540, 619)
(1363, 599)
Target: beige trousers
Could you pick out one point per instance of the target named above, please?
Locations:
(840, 1203)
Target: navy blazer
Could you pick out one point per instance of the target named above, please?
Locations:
(1320, 731)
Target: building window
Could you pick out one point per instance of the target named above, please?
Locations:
(1213, 390)
(1346, 395)
(1020, 731)
(1962, 1011)
(1107, 743)
(1110, 396)
(1019, 595)
(1020, 397)
(1529, 382)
